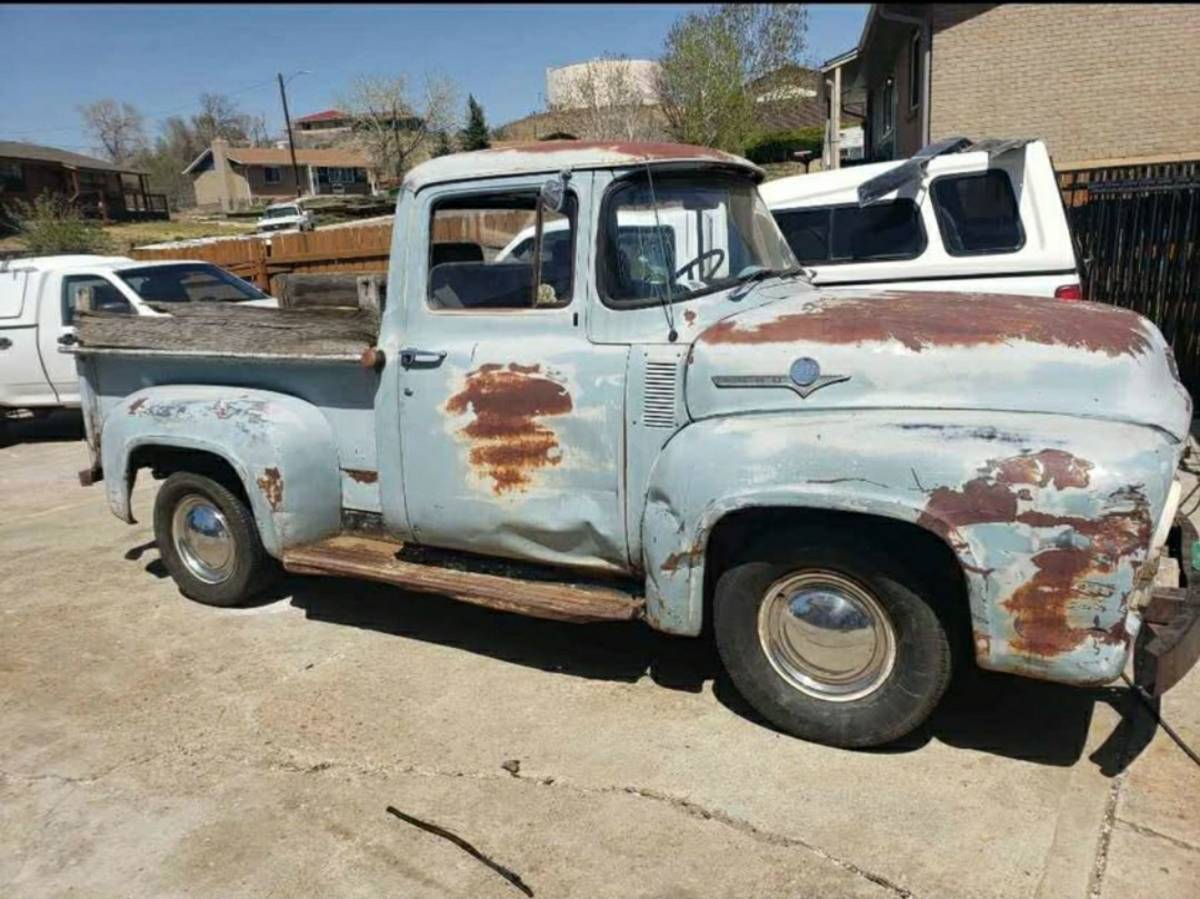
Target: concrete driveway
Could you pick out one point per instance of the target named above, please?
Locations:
(150, 746)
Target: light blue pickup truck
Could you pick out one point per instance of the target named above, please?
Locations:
(662, 419)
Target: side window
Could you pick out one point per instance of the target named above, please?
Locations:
(807, 233)
(271, 174)
(469, 267)
(978, 213)
(880, 231)
(105, 297)
(830, 234)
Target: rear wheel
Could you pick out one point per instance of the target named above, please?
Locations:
(209, 541)
(831, 642)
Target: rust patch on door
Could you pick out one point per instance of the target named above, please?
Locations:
(362, 475)
(136, 405)
(923, 320)
(271, 485)
(1068, 571)
(687, 559)
(508, 441)
(689, 316)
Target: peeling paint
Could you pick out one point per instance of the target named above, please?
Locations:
(362, 475)
(1071, 571)
(271, 485)
(508, 442)
(923, 320)
(686, 559)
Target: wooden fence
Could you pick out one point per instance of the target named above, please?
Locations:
(1136, 228)
(361, 249)
(351, 249)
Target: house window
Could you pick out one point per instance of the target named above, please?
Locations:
(977, 213)
(852, 233)
(12, 176)
(914, 71)
(479, 258)
(272, 174)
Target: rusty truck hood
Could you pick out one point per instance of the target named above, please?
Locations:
(890, 349)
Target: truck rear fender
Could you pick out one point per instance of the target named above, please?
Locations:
(1048, 517)
(281, 448)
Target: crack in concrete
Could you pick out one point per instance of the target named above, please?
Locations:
(1145, 831)
(678, 803)
(1100, 863)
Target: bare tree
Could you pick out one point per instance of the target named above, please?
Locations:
(116, 128)
(394, 128)
(219, 116)
(709, 59)
(606, 99)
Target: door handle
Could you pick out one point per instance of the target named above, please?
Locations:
(5, 343)
(68, 340)
(411, 357)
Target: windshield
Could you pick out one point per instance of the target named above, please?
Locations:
(673, 237)
(278, 212)
(188, 282)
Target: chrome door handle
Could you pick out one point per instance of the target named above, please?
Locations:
(414, 358)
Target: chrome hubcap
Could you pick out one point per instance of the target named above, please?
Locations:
(202, 539)
(826, 635)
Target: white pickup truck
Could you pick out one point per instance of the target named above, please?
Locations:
(38, 298)
(982, 217)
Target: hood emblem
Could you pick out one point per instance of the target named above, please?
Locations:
(804, 377)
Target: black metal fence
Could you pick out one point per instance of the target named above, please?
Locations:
(1135, 230)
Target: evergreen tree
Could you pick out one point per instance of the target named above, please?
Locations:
(443, 147)
(475, 135)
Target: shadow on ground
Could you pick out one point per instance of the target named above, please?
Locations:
(998, 714)
(57, 426)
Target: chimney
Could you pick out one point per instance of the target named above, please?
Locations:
(220, 161)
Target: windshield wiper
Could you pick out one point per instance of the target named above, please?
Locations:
(763, 273)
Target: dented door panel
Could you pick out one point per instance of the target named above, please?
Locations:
(1050, 517)
(512, 441)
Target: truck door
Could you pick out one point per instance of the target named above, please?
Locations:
(511, 420)
(56, 318)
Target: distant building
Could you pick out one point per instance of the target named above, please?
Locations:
(232, 178)
(100, 189)
(330, 128)
(1097, 82)
(566, 84)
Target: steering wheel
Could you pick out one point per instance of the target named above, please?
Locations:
(688, 266)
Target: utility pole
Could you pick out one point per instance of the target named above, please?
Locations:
(291, 144)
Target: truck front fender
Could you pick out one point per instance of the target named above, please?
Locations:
(281, 447)
(1049, 516)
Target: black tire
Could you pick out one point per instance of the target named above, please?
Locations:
(900, 701)
(252, 569)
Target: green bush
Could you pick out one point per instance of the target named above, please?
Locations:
(778, 146)
(51, 224)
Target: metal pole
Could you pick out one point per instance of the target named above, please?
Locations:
(291, 144)
(835, 116)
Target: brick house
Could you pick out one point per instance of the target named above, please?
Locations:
(231, 178)
(99, 189)
(1096, 82)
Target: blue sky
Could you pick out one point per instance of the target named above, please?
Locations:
(160, 58)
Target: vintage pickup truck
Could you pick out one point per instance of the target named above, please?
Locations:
(854, 493)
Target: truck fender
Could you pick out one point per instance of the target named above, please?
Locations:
(282, 449)
(1016, 498)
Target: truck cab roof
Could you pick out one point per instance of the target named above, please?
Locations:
(556, 155)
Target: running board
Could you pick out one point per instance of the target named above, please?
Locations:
(376, 560)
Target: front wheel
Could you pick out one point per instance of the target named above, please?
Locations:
(209, 541)
(831, 642)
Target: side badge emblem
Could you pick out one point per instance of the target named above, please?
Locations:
(804, 377)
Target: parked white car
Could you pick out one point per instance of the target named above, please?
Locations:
(38, 297)
(980, 218)
(285, 217)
